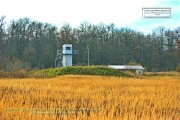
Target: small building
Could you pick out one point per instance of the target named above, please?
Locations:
(67, 55)
(139, 70)
(64, 56)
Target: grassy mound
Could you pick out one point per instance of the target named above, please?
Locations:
(77, 70)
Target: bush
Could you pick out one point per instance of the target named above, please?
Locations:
(35, 74)
(178, 69)
(14, 74)
(18, 74)
(3, 74)
(133, 63)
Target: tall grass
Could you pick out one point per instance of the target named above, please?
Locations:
(90, 97)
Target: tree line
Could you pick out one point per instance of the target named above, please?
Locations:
(29, 44)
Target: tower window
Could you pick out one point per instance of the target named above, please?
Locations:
(68, 48)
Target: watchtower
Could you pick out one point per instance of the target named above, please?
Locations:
(67, 55)
(64, 56)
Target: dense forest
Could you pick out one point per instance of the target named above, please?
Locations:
(29, 44)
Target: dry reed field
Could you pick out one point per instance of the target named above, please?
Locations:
(90, 98)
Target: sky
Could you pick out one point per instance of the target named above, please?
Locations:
(123, 13)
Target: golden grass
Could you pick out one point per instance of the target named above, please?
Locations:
(90, 97)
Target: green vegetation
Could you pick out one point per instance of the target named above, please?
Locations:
(78, 70)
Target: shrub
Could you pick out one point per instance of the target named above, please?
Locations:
(133, 63)
(3, 74)
(18, 74)
(14, 74)
(178, 69)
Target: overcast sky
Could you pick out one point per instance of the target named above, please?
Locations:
(123, 13)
